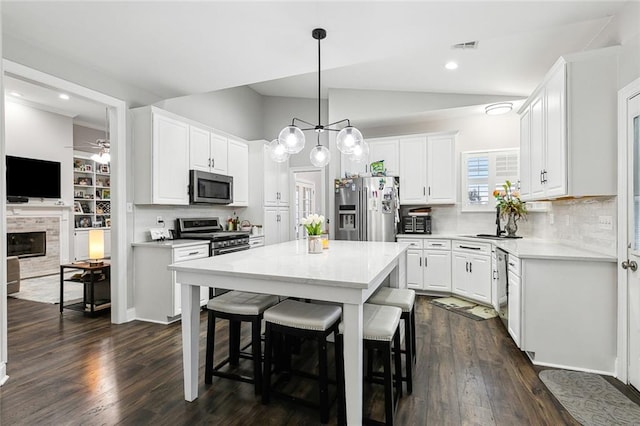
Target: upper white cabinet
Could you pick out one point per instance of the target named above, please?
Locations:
(238, 154)
(383, 149)
(427, 169)
(161, 157)
(166, 146)
(208, 151)
(568, 129)
(276, 180)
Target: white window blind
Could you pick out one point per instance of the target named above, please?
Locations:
(484, 171)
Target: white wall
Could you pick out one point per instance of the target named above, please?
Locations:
(238, 111)
(278, 113)
(34, 133)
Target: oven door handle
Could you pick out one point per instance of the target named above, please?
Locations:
(230, 250)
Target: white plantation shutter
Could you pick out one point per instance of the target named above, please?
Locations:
(484, 171)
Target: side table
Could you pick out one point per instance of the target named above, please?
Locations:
(90, 276)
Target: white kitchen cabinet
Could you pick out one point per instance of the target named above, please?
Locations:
(382, 149)
(276, 225)
(276, 181)
(81, 244)
(161, 157)
(568, 313)
(427, 169)
(568, 129)
(514, 300)
(157, 294)
(471, 270)
(428, 264)
(207, 151)
(238, 167)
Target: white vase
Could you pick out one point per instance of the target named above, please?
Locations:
(314, 244)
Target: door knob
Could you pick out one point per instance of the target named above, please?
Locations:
(630, 264)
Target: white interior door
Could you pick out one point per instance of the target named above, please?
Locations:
(633, 239)
(305, 203)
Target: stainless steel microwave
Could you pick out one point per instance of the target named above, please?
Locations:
(210, 188)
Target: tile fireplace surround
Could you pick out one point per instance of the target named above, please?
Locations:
(55, 223)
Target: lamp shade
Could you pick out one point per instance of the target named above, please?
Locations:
(96, 244)
(360, 153)
(292, 138)
(277, 151)
(320, 156)
(348, 138)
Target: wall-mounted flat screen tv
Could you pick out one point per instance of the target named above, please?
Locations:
(28, 177)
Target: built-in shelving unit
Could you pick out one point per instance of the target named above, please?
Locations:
(91, 193)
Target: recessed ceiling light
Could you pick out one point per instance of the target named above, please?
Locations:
(63, 96)
(16, 94)
(499, 108)
(451, 65)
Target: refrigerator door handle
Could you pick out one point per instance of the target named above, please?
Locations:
(364, 194)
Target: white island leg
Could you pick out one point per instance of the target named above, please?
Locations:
(352, 318)
(190, 339)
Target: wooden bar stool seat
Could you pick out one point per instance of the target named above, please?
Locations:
(237, 307)
(381, 333)
(405, 300)
(302, 320)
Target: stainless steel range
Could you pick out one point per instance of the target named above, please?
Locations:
(210, 228)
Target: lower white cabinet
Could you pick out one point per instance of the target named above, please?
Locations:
(471, 270)
(81, 244)
(428, 264)
(276, 225)
(515, 301)
(157, 294)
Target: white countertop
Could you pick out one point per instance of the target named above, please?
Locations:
(343, 264)
(529, 248)
(171, 244)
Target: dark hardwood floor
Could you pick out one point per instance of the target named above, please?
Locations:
(72, 369)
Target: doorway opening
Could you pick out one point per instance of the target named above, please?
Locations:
(308, 195)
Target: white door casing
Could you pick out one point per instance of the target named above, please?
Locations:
(628, 350)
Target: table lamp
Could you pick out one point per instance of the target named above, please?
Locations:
(96, 247)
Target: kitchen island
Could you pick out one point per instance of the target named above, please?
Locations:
(349, 272)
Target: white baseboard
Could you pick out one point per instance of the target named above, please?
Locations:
(3, 373)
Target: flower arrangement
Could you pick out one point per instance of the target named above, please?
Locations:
(509, 203)
(313, 224)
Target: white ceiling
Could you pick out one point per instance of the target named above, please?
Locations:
(172, 49)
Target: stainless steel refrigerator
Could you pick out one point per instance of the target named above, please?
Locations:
(366, 209)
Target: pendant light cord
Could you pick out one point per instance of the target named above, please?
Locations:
(319, 71)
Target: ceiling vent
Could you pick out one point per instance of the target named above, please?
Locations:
(466, 45)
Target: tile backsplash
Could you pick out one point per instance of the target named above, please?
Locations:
(572, 221)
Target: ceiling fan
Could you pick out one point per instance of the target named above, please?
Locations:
(102, 146)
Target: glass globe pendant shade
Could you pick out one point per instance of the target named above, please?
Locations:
(292, 138)
(277, 151)
(360, 153)
(320, 156)
(348, 138)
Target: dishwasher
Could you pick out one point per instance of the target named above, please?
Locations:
(502, 263)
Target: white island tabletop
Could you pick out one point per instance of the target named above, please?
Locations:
(343, 264)
(348, 272)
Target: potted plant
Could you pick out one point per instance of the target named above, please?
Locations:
(313, 224)
(510, 206)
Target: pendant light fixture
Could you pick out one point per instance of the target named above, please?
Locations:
(292, 138)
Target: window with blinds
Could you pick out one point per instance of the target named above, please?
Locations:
(484, 171)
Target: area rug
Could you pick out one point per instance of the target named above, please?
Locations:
(466, 308)
(590, 399)
(47, 290)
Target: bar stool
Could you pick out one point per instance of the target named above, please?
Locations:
(405, 300)
(304, 320)
(380, 330)
(237, 307)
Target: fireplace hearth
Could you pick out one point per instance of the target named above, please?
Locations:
(27, 244)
